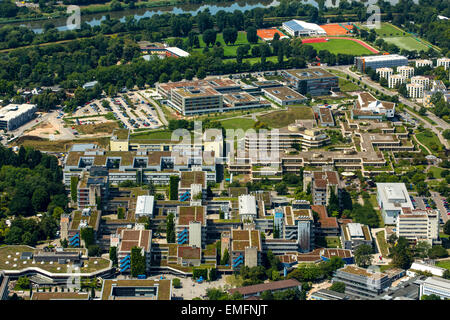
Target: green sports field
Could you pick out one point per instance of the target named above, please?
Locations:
(341, 46)
(400, 38)
(407, 43)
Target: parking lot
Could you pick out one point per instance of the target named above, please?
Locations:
(134, 112)
(435, 200)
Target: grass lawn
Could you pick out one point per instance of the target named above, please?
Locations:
(383, 246)
(347, 85)
(429, 138)
(333, 242)
(282, 118)
(407, 43)
(436, 172)
(341, 46)
(238, 123)
(157, 135)
(388, 30)
(443, 264)
(229, 50)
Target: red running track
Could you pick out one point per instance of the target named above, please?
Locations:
(365, 45)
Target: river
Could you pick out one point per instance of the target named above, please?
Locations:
(95, 19)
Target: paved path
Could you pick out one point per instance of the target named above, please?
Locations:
(161, 114)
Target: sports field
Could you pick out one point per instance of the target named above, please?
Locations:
(400, 38)
(345, 46)
(407, 43)
(336, 29)
(268, 34)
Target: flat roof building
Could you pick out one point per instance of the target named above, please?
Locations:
(298, 28)
(315, 81)
(418, 225)
(392, 198)
(355, 234)
(144, 206)
(437, 286)
(14, 115)
(247, 207)
(274, 286)
(380, 61)
(137, 290)
(284, 96)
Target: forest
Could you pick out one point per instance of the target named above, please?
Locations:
(30, 183)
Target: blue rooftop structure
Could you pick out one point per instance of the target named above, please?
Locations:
(293, 25)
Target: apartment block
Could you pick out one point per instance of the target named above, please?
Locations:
(395, 80)
(423, 63)
(443, 62)
(424, 81)
(322, 184)
(418, 225)
(385, 72)
(406, 71)
(240, 241)
(415, 90)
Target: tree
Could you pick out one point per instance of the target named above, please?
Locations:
(23, 283)
(281, 188)
(176, 283)
(230, 35)
(430, 297)
(363, 255)
(226, 258)
(87, 235)
(173, 187)
(438, 252)
(120, 213)
(113, 255)
(137, 262)
(73, 188)
(209, 37)
(170, 228)
(94, 250)
(252, 35)
(447, 227)
(422, 249)
(338, 287)
(267, 295)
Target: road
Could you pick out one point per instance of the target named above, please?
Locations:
(366, 80)
(162, 117)
(440, 205)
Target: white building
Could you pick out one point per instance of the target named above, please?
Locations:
(406, 71)
(423, 63)
(247, 207)
(415, 90)
(443, 62)
(418, 225)
(14, 115)
(195, 234)
(437, 286)
(418, 266)
(298, 28)
(424, 81)
(381, 61)
(385, 72)
(392, 198)
(395, 80)
(144, 206)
